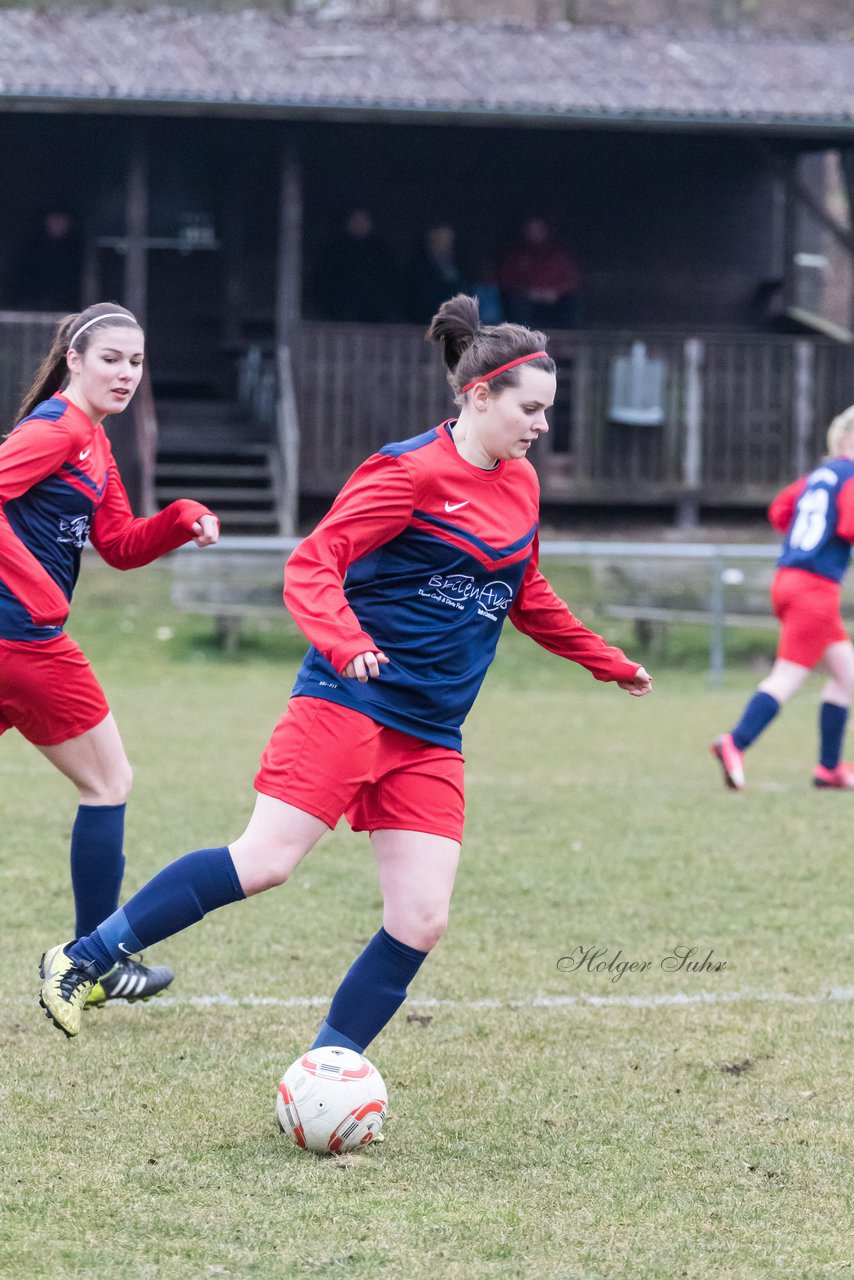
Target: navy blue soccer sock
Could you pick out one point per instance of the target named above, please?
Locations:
(178, 896)
(371, 993)
(97, 863)
(756, 716)
(832, 720)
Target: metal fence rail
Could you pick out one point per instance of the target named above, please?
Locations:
(720, 560)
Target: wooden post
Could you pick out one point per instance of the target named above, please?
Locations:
(717, 609)
(688, 513)
(144, 417)
(289, 270)
(136, 228)
(143, 412)
(287, 425)
(846, 161)
(234, 244)
(288, 317)
(90, 285)
(790, 214)
(804, 405)
(579, 441)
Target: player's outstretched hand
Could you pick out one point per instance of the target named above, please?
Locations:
(641, 684)
(206, 531)
(365, 665)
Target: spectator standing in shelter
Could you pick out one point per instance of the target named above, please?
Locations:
(488, 292)
(358, 278)
(435, 274)
(540, 280)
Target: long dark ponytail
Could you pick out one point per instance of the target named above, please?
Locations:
(52, 373)
(471, 350)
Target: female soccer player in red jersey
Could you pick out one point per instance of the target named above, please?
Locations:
(816, 513)
(59, 484)
(402, 589)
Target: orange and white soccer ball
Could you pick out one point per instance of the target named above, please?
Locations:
(331, 1099)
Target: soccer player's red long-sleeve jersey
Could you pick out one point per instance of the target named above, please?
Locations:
(59, 484)
(437, 554)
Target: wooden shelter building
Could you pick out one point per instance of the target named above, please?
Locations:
(207, 159)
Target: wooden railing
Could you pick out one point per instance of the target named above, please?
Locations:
(266, 391)
(742, 413)
(359, 386)
(144, 415)
(288, 443)
(25, 338)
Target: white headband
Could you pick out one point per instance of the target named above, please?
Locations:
(109, 315)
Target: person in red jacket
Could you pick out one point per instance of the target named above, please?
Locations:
(540, 280)
(816, 514)
(402, 589)
(59, 485)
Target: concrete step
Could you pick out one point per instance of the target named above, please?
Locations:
(190, 410)
(206, 426)
(213, 493)
(211, 450)
(167, 471)
(199, 448)
(257, 519)
(236, 520)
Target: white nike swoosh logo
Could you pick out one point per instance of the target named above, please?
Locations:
(84, 453)
(455, 506)
(124, 950)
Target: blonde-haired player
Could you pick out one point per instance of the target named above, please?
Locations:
(816, 513)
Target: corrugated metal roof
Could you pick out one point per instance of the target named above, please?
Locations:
(273, 64)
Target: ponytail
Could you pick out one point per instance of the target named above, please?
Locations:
(52, 373)
(472, 351)
(456, 325)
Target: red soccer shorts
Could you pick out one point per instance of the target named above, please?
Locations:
(329, 760)
(809, 612)
(48, 691)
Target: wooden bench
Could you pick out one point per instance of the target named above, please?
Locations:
(656, 593)
(233, 586)
(647, 616)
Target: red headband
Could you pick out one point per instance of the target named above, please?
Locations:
(485, 377)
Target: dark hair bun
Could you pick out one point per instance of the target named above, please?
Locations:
(455, 325)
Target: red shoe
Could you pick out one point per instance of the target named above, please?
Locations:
(842, 777)
(732, 761)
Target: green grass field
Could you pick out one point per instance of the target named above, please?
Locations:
(543, 1122)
